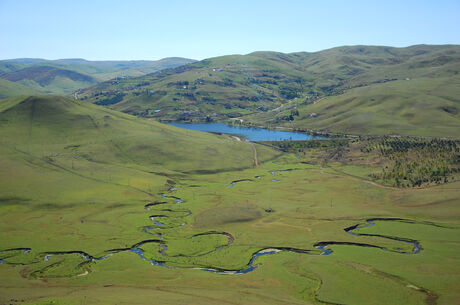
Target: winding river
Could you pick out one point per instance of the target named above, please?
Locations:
(167, 216)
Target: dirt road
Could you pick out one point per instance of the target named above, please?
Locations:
(256, 162)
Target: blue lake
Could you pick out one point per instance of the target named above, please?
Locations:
(252, 134)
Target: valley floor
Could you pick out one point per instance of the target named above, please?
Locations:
(258, 235)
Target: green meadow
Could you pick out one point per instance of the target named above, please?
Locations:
(100, 207)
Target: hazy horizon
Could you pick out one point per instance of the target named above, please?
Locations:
(145, 30)
(146, 59)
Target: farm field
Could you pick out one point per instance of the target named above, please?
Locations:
(113, 209)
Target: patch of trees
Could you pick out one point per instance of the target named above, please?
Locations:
(110, 101)
(288, 94)
(402, 161)
(262, 81)
(142, 84)
(249, 98)
(187, 95)
(289, 117)
(390, 145)
(209, 100)
(301, 146)
(225, 83)
(415, 162)
(178, 84)
(290, 90)
(199, 81)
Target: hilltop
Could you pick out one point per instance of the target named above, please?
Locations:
(64, 76)
(264, 87)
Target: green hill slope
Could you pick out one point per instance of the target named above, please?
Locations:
(66, 125)
(7, 66)
(50, 79)
(54, 149)
(55, 144)
(11, 89)
(229, 86)
(105, 70)
(420, 106)
(252, 86)
(65, 76)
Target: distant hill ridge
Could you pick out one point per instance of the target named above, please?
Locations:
(44, 75)
(11, 89)
(64, 76)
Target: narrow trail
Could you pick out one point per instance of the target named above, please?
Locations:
(360, 178)
(256, 161)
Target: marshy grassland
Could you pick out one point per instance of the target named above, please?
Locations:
(99, 207)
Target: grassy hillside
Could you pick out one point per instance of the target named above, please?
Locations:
(428, 106)
(6, 66)
(240, 85)
(11, 89)
(222, 85)
(78, 130)
(50, 79)
(65, 76)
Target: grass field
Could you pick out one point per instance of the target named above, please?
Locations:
(79, 182)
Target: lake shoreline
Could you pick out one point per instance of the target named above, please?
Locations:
(252, 134)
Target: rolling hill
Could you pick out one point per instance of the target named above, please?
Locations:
(55, 130)
(58, 150)
(424, 106)
(65, 76)
(50, 79)
(264, 87)
(11, 89)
